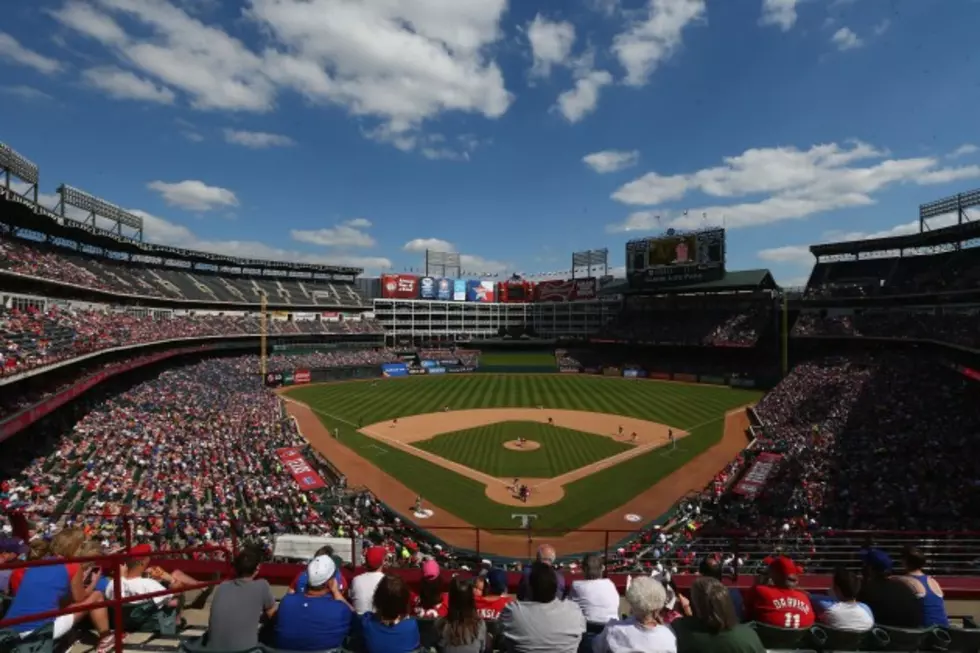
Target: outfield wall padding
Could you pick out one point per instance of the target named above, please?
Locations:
(517, 369)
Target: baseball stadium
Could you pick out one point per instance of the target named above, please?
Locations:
(193, 408)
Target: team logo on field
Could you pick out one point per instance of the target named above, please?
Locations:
(632, 517)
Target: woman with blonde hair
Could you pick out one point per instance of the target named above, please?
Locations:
(714, 626)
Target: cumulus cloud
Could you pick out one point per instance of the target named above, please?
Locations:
(399, 63)
(12, 50)
(468, 262)
(780, 13)
(124, 85)
(964, 150)
(194, 195)
(582, 99)
(655, 37)
(347, 234)
(551, 44)
(793, 183)
(257, 140)
(845, 39)
(611, 160)
(26, 93)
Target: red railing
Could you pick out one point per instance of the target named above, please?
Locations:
(112, 563)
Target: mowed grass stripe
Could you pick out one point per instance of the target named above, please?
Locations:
(677, 405)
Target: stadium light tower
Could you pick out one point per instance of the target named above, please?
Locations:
(957, 204)
(95, 207)
(443, 264)
(593, 258)
(13, 164)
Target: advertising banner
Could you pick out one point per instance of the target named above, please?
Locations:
(611, 371)
(427, 288)
(436, 370)
(634, 374)
(399, 286)
(301, 376)
(461, 368)
(592, 370)
(394, 369)
(287, 378)
(565, 290)
(303, 474)
(444, 290)
(331, 317)
(459, 290)
(273, 379)
(755, 478)
(690, 378)
(659, 375)
(717, 380)
(415, 371)
(742, 382)
(569, 370)
(428, 363)
(480, 291)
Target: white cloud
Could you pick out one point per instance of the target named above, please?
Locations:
(398, 62)
(611, 160)
(12, 50)
(468, 262)
(27, 93)
(551, 44)
(963, 150)
(348, 234)
(796, 254)
(654, 39)
(124, 85)
(257, 140)
(583, 98)
(845, 39)
(194, 195)
(882, 27)
(781, 13)
(795, 183)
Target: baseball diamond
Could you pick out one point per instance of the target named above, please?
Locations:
(399, 439)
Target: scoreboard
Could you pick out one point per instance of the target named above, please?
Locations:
(676, 259)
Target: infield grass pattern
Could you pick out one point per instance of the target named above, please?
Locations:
(482, 449)
(697, 409)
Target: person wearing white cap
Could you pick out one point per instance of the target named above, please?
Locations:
(319, 618)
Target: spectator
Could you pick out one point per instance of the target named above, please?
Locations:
(134, 583)
(711, 567)
(363, 586)
(643, 631)
(779, 603)
(542, 623)
(390, 629)
(299, 583)
(546, 555)
(461, 630)
(491, 594)
(239, 605)
(843, 611)
(892, 602)
(713, 625)
(11, 549)
(596, 596)
(926, 588)
(44, 589)
(431, 601)
(319, 618)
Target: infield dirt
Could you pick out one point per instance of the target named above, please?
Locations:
(595, 535)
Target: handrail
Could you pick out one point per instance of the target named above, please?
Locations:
(117, 602)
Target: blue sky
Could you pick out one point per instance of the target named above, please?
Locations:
(513, 132)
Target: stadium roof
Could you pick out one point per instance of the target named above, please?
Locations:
(731, 281)
(34, 217)
(944, 236)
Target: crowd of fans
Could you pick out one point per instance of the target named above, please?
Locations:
(33, 337)
(956, 327)
(740, 326)
(466, 357)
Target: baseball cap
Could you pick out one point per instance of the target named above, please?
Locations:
(374, 557)
(497, 580)
(876, 559)
(784, 566)
(141, 550)
(430, 569)
(13, 545)
(320, 570)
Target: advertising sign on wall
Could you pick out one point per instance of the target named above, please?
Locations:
(688, 378)
(273, 379)
(437, 370)
(302, 473)
(427, 288)
(301, 376)
(480, 291)
(428, 363)
(444, 290)
(461, 368)
(634, 374)
(611, 371)
(399, 286)
(755, 478)
(565, 290)
(742, 382)
(459, 290)
(394, 369)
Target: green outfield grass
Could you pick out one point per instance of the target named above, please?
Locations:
(562, 450)
(526, 359)
(698, 409)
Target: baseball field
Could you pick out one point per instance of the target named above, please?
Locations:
(593, 452)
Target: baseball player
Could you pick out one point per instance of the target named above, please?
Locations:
(670, 438)
(620, 430)
(633, 436)
(551, 421)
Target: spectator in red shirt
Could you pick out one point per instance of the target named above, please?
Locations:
(491, 594)
(776, 601)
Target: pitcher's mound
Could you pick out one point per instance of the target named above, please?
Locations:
(529, 445)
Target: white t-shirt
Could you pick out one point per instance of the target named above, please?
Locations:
(362, 590)
(848, 616)
(137, 586)
(628, 636)
(598, 599)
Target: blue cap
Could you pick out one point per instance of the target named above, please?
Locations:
(497, 580)
(876, 559)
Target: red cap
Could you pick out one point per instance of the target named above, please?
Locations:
(141, 550)
(374, 557)
(784, 566)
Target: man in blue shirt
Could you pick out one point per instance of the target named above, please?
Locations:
(317, 619)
